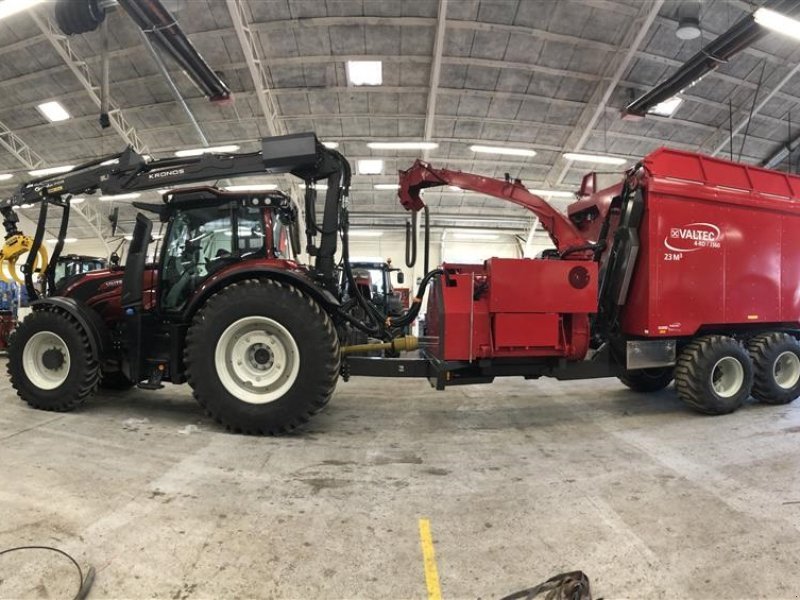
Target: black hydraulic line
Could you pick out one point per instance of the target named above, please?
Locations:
(157, 23)
(38, 238)
(427, 248)
(408, 317)
(411, 241)
(49, 275)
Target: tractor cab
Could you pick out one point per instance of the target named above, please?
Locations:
(207, 230)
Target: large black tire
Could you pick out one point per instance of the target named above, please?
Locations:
(275, 323)
(32, 374)
(115, 381)
(647, 380)
(714, 375)
(776, 361)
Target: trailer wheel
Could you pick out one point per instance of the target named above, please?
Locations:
(776, 358)
(647, 380)
(714, 375)
(262, 357)
(50, 361)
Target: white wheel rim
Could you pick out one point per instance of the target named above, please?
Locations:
(727, 377)
(46, 360)
(257, 360)
(786, 370)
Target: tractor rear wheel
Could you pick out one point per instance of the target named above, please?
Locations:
(714, 375)
(647, 380)
(262, 357)
(50, 361)
(776, 357)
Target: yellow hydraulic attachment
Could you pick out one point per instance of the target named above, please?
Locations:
(16, 245)
(401, 344)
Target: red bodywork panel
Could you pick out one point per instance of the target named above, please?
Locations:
(102, 289)
(511, 308)
(719, 246)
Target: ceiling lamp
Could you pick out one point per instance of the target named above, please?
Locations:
(11, 7)
(403, 145)
(111, 198)
(387, 186)
(778, 22)
(253, 187)
(364, 72)
(595, 158)
(688, 21)
(667, 107)
(503, 150)
(53, 111)
(212, 150)
(6, 176)
(370, 167)
(364, 233)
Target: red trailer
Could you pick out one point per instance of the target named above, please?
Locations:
(687, 269)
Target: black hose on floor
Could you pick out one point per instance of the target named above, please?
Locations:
(84, 583)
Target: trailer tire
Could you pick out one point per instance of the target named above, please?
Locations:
(714, 375)
(50, 361)
(776, 361)
(258, 330)
(647, 380)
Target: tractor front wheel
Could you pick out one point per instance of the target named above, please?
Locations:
(50, 361)
(262, 357)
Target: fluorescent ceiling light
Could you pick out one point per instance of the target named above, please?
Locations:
(364, 72)
(51, 171)
(777, 22)
(253, 187)
(552, 193)
(402, 145)
(594, 158)
(53, 111)
(364, 233)
(387, 186)
(331, 145)
(10, 7)
(212, 150)
(131, 196)
(370, 167)
(667, 107)
(21, 206)
(129, 238)
(76, 200)
(66, 241)
(320, 186)
(6, 176)
(475, 236)
(503, 150)
(111, 161)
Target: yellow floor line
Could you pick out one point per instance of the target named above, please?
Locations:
(429, 559)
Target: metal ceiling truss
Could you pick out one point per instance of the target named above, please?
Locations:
(80, 69)
(31, 160)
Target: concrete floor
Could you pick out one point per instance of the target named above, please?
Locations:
(520, 480)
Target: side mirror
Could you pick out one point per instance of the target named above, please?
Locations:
(401, 278)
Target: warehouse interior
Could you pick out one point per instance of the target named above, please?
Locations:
(429, 464)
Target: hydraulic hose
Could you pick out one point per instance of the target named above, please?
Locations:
(416, 304)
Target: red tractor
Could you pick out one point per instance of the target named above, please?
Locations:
(223, 305)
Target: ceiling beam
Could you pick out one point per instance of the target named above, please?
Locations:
(83, 74)
(436, 69)
(757, 109)
(252, 55)
(587, 121)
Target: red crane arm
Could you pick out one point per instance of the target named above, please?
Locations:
(421, 175)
